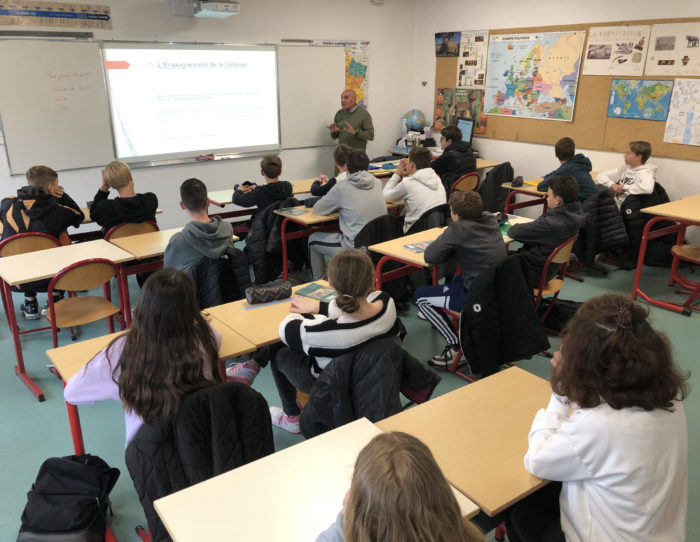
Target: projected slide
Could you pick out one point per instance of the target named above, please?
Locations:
(184, 102)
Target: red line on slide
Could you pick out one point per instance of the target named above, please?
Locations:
(116, 65)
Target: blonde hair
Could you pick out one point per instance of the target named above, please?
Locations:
(399, 494)
(41, 176)
(351, 274)
(117, 174)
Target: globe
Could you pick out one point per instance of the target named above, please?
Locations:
(415, 120)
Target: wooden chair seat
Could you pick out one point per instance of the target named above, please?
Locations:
(689, 253)
(80, 310)
(552, 287)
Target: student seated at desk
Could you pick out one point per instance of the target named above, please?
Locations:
(635, 177)
(358, 200)
(128, 206)
(475, 240)
(202, 236)
(563, 219)
(417, 185)
(614, 433)
(399, 494)
(456, 159)
(169, 351)
(43, 207)
(252, 195)
(315, 333)
(322, 184)
(573, 165)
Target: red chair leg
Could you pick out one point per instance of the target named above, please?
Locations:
(500, 533)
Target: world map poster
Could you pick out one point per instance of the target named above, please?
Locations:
(639, 99)
(533, 75)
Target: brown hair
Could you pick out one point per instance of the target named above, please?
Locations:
(271, 166)
(193, 194)
(421, 157)
(166, 349)
(565, 148)
(341, 153)
(466, 204)
(452, 133)
(641, 147)
(351, 274)
(565, 187)
(399, 494)
(117, 174)
(611, 354)
(357, 161)
(41, 176)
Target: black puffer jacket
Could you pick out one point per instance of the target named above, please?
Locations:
(456, 160)
(493, 194)
(366, 383)
(264, 242)
(658, 250)
(223, 280)
(217, 428)
(604, 230)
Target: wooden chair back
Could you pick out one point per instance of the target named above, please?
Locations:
(562, 253)
(466, 183)
(23, 243)
(84, 275)
(126, 229)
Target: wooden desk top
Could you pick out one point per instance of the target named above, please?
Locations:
(224, 197)
(148, 245)
(44, 264)
(687, 208)
(72, 358)
(478, 435)
(309, 218)
(304, 485)
(526, 188)
(395, 247)
(259, 324)
(88, 220)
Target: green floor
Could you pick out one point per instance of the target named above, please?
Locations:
(32, 431)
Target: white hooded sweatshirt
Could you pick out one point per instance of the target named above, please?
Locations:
(420, 192)
(637, 180)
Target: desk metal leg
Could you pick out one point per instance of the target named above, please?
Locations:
(283, 235)
(14, 330)
(76, 430)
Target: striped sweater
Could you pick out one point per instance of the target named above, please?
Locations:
(322, 336)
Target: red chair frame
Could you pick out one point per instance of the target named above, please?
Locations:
(539, 295)
(464, 178)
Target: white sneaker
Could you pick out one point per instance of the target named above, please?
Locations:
(281, 420)
(446, 357)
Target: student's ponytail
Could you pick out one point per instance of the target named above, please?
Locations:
(351, 274)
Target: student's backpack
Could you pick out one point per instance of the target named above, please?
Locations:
(69, 500)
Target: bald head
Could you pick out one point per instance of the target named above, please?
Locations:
(348, 99)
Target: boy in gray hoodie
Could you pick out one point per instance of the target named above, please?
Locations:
(358, 200)
(203, 236)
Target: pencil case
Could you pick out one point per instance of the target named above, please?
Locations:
(264, 294)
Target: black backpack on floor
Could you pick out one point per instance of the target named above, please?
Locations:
(69, 500)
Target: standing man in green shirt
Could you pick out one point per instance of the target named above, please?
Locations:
(352, 125)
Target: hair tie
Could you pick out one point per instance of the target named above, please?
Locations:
(624, 318)
(347, 296)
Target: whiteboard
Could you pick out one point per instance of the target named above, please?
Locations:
(311, 80)
(53, 105)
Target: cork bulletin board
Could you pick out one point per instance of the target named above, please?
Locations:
(591, 128)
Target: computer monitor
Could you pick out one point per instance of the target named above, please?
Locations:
(466, 126)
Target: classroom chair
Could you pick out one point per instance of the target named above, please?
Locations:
(466, 183)
(690, 254)
(79, 310)
(126, 229)
(551, 288)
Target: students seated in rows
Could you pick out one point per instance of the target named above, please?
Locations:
(128, 206)
(252, 195)
(43, 207)
(358, 199)
(322, 184)
(614, 433)
(399, 494)
(202, 236)
(563, 219)
(573, 165)
(169, 351)
(456, 160)
(416, 184)
(475, 240)
(635, 177)
(318, 332)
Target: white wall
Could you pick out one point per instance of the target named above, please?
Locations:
(261, 21)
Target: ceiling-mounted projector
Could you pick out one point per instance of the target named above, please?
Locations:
(216, 10)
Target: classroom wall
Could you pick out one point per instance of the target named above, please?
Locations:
(260, 21)
(679, 177)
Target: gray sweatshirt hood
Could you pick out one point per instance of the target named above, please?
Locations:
(363, 180)
(210, 239)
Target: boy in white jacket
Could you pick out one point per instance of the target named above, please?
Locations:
(417, 185)
(635, 177)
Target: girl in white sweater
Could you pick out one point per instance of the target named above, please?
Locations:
(614, 433)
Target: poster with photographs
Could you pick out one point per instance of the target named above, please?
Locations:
(616, 50)
(454, 103)
(447, 43)
(674, 49)
(473, 51)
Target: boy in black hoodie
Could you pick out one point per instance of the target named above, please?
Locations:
(128, 207)
(573, 165)
(42, 206)
(261, 196)
(456, 160)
